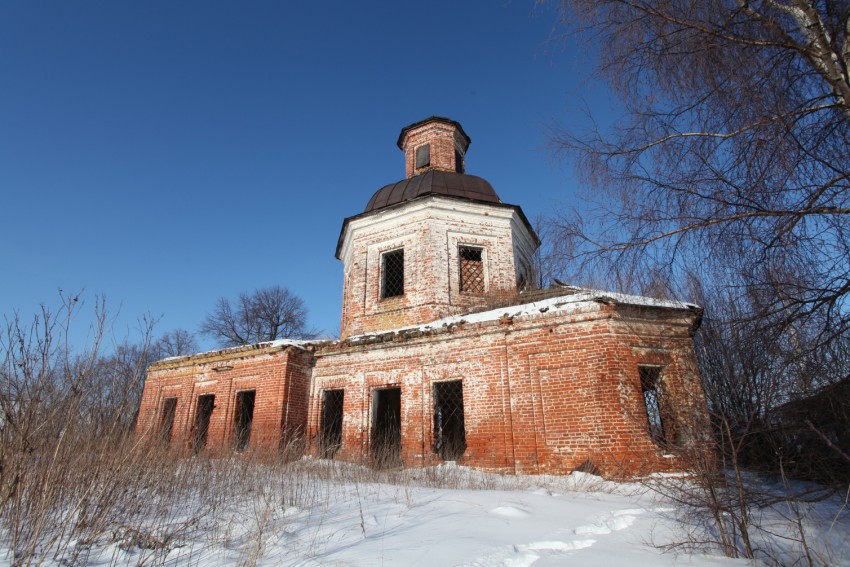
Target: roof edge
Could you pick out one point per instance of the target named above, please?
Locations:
(441, 119)
(364, 214)
(231, 353)
(561, 301)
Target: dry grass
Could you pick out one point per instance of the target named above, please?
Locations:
(75, 480)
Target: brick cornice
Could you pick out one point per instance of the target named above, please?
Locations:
(225, 355)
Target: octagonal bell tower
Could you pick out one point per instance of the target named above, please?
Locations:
(437, 243)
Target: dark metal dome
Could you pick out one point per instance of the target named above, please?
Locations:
(433, 182)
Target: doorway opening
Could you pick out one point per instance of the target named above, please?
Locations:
(166, 420)
(330, 432)
(449, 430)
(243, 418)
(386, 427)
(203, 412)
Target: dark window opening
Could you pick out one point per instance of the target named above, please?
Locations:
(650, 378)
(458, 162)
(203, 412)
(522, 282)
(243, 418)
(392, 274)
(449, 430)
(166, 419)
(330, 432)
(471, 270)
(423, 156)
(386, 427)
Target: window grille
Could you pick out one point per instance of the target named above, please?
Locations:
(449, 429)
(392, 274)
(650, 377)
(471, 270)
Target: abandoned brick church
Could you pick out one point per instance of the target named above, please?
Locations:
(442, 353)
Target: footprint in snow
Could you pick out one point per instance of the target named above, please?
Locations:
(593, 529)
(632, 512)
(524, 555)
(556, 545)
(616, 521)
(509, 512)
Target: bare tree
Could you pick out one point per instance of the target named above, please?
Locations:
(266, 314)
(726, 177)
(178, 342)
(732, 147)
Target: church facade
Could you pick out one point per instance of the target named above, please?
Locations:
(443, 355)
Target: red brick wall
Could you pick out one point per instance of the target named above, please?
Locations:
(542, 394)
(279, 376)
(443, 139)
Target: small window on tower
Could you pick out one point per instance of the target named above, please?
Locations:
(392, 274)
(423, 156)
(458, 162)
(471, 270)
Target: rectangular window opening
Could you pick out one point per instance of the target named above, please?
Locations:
(522, 282)
(423, 156)
(166, 419)
(650, 382)
(203, 413)
(471, 269)
(330, 432)
(243, 419)
(458, 162)
(449, 430)
(386, 427)
(392, 274)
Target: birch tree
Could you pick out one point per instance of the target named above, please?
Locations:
(732, 150)
(726, 174)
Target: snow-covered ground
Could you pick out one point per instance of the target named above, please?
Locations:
(445, 515)
(390, 525)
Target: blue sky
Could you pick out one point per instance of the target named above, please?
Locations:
(165, 154)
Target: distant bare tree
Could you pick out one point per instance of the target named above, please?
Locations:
(266, 314)
(178, 342)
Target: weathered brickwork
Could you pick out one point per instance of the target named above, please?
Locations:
(280, 377)
(544, 387)
(430, 231)
(540, 395)
(446, 141)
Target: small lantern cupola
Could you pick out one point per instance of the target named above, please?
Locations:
(434, 143)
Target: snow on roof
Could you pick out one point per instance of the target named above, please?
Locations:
(266, 344)
(571, 301)
(574, 298)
